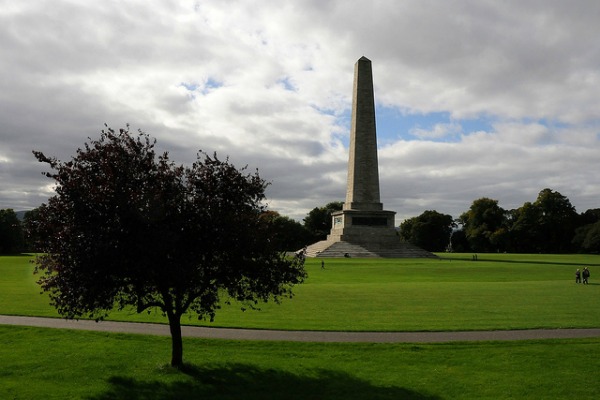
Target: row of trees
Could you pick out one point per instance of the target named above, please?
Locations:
(290, 234)
(550, 224)
(293, 235)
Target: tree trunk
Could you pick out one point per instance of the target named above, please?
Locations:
(176, 340)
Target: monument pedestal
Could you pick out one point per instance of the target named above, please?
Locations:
(362, 226)
(364, 234)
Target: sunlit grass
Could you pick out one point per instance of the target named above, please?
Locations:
(499, 291)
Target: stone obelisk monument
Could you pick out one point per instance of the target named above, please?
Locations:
(362, 192)
(363, 228)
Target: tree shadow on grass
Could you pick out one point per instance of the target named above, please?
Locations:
(241, 381)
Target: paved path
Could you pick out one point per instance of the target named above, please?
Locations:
(301, 336)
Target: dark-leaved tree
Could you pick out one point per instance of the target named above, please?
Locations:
(525, 229)
(290, 235)
(557, 222)
(484, 225)
(430, 230)
(587, 234)
(128, 228)
(318, 221)
(11, 233)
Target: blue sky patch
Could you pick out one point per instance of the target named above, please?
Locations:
(392, 125)
(287, 84)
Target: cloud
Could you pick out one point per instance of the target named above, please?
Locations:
(439, 131)
(500, 98)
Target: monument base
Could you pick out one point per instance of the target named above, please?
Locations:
(364, 234)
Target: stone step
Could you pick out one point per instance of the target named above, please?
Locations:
(337, 249)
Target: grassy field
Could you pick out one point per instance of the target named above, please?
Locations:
(499, 291)
(61, 364)
(495, 292)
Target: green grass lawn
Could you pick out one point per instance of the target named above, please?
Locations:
(454, 293)
(62, 364)
(499, 291)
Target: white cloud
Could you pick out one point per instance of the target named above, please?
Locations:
(269, 83)
(439, 131)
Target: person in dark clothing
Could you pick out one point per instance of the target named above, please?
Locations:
(586, 275)
(578, 276)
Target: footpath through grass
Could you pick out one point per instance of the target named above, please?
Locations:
(60, 364)
(498, 291)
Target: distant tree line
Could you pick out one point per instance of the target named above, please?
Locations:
(291, 234)
(548, 225)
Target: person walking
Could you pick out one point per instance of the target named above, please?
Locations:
(586, 275)
(577, 276)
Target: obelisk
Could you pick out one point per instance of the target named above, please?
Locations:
(362, 191)
(363, 228)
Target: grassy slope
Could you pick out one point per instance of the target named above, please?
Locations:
(498, 291)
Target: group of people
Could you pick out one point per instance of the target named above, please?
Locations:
(585, 274)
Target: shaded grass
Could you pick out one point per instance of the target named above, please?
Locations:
(499, 291)
(60, 364)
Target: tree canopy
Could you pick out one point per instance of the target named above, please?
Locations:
(524, 230)
(128, 228)
(557, 221)
(430, 230)
(483, 224)
(11, 234)
(587, 234)
(318, 221)
(290, 234)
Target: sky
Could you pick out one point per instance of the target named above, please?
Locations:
(486, 98)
